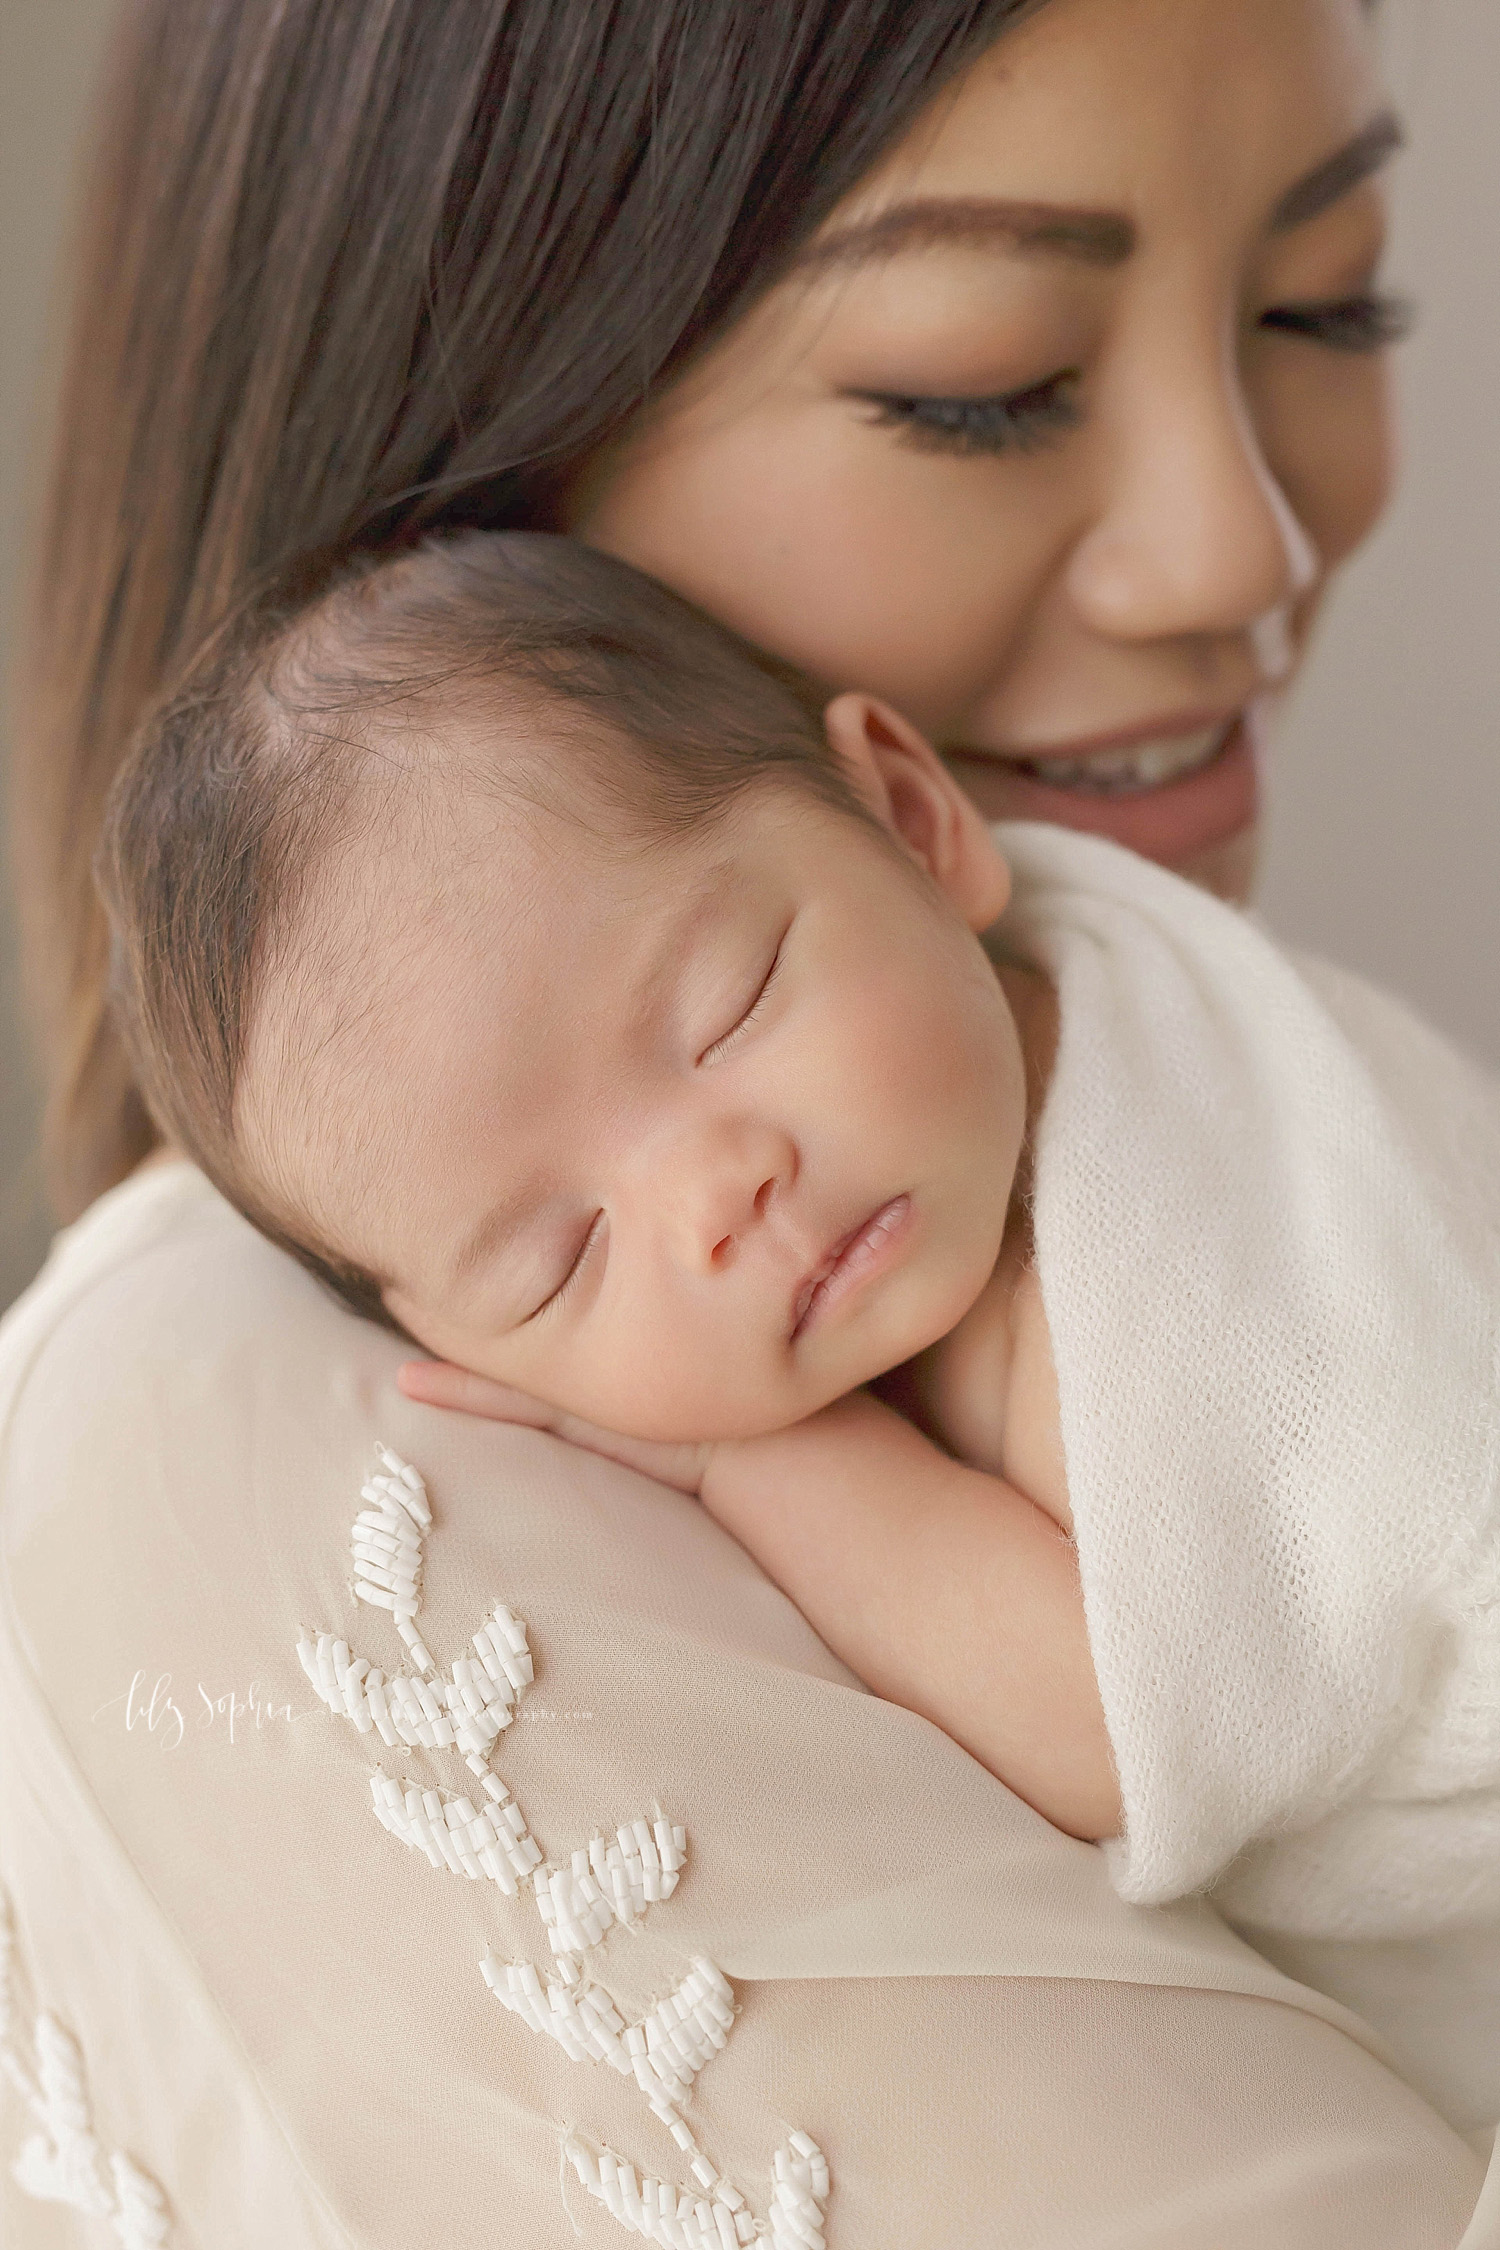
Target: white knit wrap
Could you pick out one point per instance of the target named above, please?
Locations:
(1268, 1234)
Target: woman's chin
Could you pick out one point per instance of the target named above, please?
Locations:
(1204, 826)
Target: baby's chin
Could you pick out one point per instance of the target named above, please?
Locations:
(783, 1383)
(860, 1369)
(700, 1418)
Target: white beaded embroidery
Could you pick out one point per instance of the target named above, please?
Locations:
(663, 2052)
(63, 2160)
(606, 1884)
(673, 2216)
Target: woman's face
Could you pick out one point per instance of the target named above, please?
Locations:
(1058, 428)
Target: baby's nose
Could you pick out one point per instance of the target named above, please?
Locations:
(721, 1189)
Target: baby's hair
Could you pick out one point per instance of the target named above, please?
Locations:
(262, 759)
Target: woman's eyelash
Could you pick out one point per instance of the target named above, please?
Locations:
(1022, 421)
(565, 1287)
(1367, 323)
(750, 1014)
(1008, 422)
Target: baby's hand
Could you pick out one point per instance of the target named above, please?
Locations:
(435, 1382)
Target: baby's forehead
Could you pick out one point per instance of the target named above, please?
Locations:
(450, 880)
(489, 809)
(462, 958)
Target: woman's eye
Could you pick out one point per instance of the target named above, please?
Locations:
(570, 1279)
(1009, 422)
(1366, 323)
(748, 1015)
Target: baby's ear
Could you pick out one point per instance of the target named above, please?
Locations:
(896, 772)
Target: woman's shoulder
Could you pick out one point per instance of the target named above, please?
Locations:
(367, 1764)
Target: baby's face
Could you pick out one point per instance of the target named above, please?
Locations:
(688, 1139)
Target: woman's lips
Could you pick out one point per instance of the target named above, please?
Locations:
(1112, 792)
(1125, 769)
(851, 1262)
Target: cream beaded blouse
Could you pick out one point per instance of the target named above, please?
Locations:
(415, 1832)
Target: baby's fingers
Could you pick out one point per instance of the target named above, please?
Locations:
(436, 1382)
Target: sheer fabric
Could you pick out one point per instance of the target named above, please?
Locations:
(279, 2004)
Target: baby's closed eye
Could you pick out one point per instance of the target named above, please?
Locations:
(749, 1014)
(590, 1247)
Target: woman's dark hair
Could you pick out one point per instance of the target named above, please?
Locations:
(355, 269)
(521, 667)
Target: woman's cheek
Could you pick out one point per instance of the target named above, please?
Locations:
(845, 564)
(1330, 436)
(867, 563)
(919, 570)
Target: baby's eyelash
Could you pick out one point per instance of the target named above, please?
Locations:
(750, 1014)
(1007, 422)
(565, 1287)
(1365, 323)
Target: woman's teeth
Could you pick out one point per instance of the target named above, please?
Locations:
(1121, 773)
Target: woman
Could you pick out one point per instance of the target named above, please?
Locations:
(1026, 371)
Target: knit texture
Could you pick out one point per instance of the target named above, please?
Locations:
(1267, 1214)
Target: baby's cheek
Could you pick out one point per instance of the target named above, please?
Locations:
(939, 1070)
(663, 1375)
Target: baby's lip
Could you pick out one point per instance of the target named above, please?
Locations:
(853, 1259)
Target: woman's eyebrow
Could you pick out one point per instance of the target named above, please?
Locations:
(1331, 180)
(1059, 230)
(1047, 230)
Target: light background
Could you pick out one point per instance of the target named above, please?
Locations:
(1386, 782)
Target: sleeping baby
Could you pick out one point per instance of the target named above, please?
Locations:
(1086, 1314)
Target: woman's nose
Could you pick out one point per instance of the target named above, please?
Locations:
(717, 1184)
(1194, 536)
